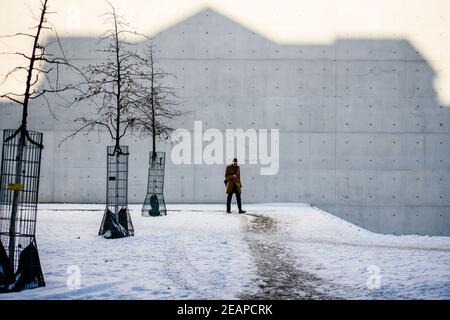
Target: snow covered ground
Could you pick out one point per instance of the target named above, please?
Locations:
(345, 256)
(199, 252)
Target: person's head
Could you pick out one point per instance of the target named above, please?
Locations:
(235, 162)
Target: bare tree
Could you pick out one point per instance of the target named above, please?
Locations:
(159, 104)
(128, 98)
(127, 88)
(41, 66)
(41, 70)
(115, 85)
(157, 108)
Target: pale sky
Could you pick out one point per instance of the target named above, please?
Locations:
(426, 24)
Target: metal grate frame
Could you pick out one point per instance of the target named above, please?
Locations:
(154, 204)
(19, 190)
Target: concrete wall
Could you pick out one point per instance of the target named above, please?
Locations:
(362, 133)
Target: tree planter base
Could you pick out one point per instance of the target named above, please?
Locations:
(154, 204)
(29, 273)
(6, 273)
(111, 228)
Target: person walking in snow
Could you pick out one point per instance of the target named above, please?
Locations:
(233, 185)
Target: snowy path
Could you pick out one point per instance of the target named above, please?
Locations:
(277, 275)
(288, 251)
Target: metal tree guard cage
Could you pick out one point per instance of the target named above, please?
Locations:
(19, 189)
(117, 220)
(154, 204)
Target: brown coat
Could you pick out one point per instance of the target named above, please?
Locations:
(231, 170)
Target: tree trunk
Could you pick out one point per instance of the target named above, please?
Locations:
(23, 130)
(153, 135)
(18, 181)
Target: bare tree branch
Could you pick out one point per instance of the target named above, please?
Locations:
(131, 93)
(39, 63)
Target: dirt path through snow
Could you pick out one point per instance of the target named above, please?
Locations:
(277, 275)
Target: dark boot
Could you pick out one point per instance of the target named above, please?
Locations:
(229, 202)
(239, 203)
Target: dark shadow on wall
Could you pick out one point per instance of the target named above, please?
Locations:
(362, 132)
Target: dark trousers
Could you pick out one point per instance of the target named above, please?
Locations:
(238, 198)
